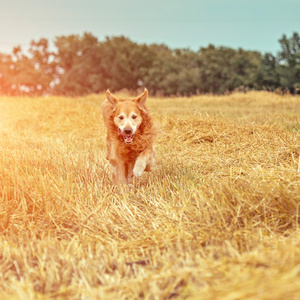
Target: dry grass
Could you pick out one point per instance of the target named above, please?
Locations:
(218, 219)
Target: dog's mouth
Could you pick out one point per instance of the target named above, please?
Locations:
(127, 137)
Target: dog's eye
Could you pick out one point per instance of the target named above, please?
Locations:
(121, 117)
(134, 117)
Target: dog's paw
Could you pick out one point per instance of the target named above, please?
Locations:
(139, 168)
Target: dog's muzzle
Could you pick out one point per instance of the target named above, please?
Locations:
(127, 134)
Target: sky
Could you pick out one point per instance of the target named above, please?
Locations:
(248, 24)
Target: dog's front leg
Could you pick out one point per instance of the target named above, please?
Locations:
(118, 170)
(111, 153)
(108, 146)
(120, 174)
(144, 161)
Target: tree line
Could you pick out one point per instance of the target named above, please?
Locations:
(81, 64)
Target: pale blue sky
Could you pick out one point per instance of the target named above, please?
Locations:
(249, 24)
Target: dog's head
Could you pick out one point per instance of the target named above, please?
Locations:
(127, 114)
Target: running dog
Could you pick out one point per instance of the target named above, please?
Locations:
(130, 137)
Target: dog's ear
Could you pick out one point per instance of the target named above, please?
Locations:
(111, 98)
(141, 100)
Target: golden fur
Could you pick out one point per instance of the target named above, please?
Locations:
(137, 155)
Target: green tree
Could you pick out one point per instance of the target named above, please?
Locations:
(173, 71)
(44, 64)
(27, 74)
(19, 74)
(83, 65)
(125, 63)
(267, 75)
(76, 60)
(224, 69)
(289, 61)
(5, 74)
(88, 66)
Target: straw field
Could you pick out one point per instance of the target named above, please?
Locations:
(217, 219)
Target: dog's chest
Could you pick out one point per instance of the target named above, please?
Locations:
(127, 152)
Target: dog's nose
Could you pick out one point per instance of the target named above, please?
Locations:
(127, 130)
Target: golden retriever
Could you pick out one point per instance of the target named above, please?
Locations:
(130, 137)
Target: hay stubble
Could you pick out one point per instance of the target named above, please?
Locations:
(219, 217)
